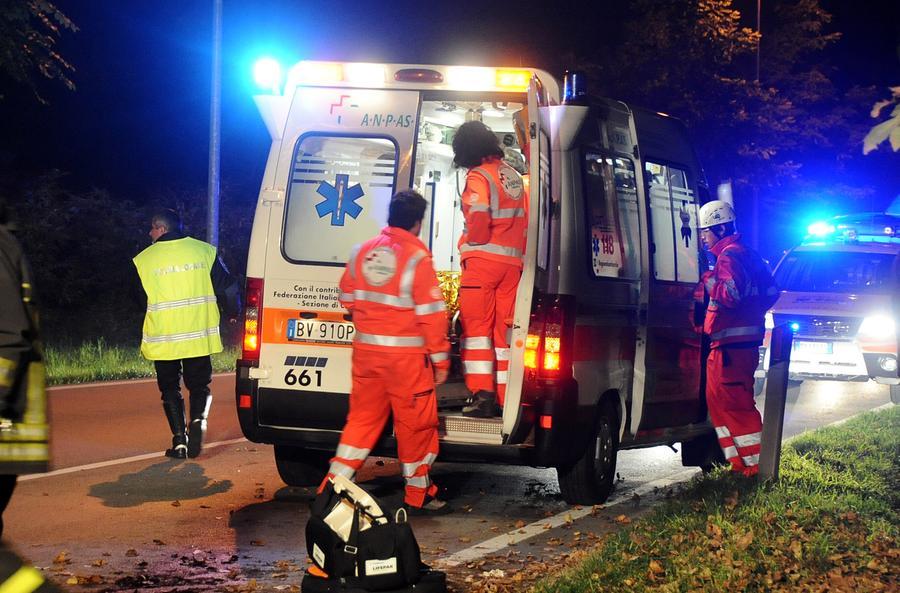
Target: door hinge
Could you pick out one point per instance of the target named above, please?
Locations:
(532, 130)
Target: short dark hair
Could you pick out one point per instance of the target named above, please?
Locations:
(167, 218)
(406, 209)
(472, 143)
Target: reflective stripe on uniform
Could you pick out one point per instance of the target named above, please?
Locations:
(439, 356)
(182, 337)
(747, 330)
(748, 440)
(181, 303)
(429, 308)
(491, 248)
(409, 275)
(731, 289)
(341, 469)
(501, 353)
(722, 432)
(383, 299)
(397, 341)
(410, 468)
(478, 367)
(510, 213)
(730, 452)
(350, 452)
(24, 452)
(502, 377)
(351, 263)
(477, 343)
(418, 481)
(347, 297)
(24, 580)
(495, 195)
(479, 208)
(751, 460)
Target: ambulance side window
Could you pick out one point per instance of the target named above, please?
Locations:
(612, 215)
(673, 219)
(338, 196)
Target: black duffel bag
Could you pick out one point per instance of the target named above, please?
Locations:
(355, 543)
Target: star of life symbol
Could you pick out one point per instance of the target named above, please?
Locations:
(339, 199)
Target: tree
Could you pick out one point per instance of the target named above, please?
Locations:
(888, 129)
(29, 30)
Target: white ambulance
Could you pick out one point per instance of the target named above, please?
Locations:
(603, 355)
(836, 294)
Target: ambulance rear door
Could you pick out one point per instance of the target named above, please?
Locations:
(345, 153)
(538, 186)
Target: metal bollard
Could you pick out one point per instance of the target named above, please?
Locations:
(776, 394)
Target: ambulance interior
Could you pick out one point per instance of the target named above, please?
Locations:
(442, 184)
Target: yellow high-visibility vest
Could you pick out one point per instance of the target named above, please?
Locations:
(182, 319)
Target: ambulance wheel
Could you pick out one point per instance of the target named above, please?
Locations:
(895, 394)
(301, 467)
(590, 479)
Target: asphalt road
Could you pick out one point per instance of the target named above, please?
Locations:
(117, 515)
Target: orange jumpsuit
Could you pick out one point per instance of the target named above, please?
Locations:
(740, 290)
(491, 250)
(390, 287)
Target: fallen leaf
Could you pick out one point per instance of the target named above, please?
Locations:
(176, 503)
(99, 562)
(62, 558)
(520, 524)
(623, 519)
(464, 539)
(159, 542)
(131, 553)
(745, 540)
(655, 567)
(72, 581)
(257, 542)
(796, 549)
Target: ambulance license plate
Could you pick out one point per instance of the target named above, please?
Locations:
(320, 332)
(814, 347)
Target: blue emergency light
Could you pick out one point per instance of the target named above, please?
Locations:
(267, 75)
(574, 87)
(820, 229)
(795, 327)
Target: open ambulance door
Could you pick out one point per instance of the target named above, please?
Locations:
(538, 185)
(666, 390)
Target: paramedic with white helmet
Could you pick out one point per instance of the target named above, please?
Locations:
(738, 290)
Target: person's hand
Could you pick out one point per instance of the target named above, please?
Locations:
(440, 375)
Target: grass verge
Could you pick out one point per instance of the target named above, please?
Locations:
(99, 361)
(829, 524)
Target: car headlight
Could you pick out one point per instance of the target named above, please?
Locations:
(770, 320)
(878, 326)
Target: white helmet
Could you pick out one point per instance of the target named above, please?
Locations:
(715, 212)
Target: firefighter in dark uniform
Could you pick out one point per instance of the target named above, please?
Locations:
(24, 430)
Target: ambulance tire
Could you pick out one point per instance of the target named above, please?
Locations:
(301, 467)
(895, 394)
(591, 477)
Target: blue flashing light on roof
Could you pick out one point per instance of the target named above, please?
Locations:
(795, 327)
(574, 87)
(267, 75)
(820, 229)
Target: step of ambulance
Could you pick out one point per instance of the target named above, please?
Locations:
(454, 427)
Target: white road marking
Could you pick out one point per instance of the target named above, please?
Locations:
(511, 538)
(112, 462)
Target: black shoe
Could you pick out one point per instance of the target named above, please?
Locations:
(432, 507)
(179, 448)
(196, 433)
(482, 406)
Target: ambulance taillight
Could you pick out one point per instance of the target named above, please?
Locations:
(546, 343)
(553, 329)
(252, 318)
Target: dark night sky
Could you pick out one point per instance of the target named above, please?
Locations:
(138, 122)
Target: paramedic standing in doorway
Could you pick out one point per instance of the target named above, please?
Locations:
(184, 281)
(491, 249)
(400, 351)
(740, 290)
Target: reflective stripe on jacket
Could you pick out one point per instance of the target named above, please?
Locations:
(182, 319)
(494, 206)
(741, 289)
(390, 287)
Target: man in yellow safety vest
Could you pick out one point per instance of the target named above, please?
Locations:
(185, 282)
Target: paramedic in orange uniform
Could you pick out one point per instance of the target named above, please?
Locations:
(491, 250)
(400, 352)
(739, 290)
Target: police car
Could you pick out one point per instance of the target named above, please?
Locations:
(836, 295)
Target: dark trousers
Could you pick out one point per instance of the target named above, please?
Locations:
(7, 485)
(197, 374)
